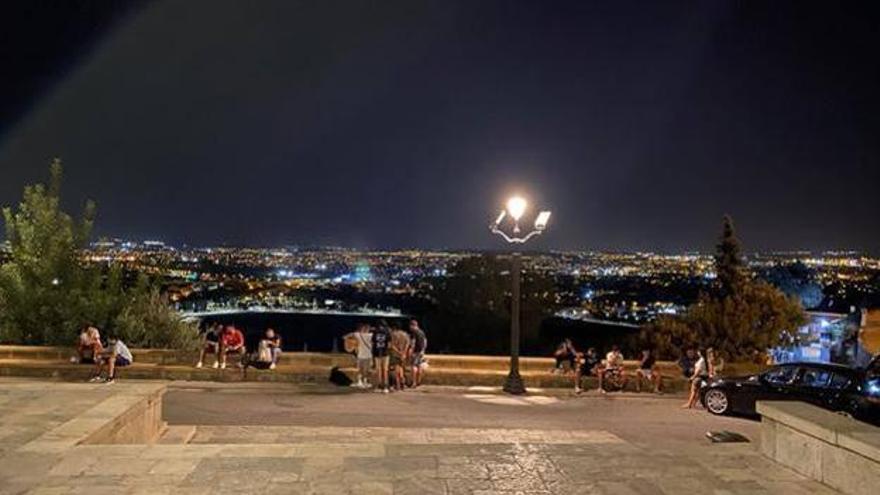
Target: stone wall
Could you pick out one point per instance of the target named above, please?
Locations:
(841, 452)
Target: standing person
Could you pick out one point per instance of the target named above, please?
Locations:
(589, 364)
(116, 356)
(211, 344)
(647, 370)
(231, 341)
(419, 346)
(273, 343)
(363, 338)
(88, 345)
(399, 354)
(701, 373)
(381, 342)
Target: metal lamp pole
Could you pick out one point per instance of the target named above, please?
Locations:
(516, 206)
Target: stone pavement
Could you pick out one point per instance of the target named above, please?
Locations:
(365, 459)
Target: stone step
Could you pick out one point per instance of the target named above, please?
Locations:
(177, 435)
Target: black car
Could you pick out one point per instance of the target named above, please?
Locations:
(853, 391)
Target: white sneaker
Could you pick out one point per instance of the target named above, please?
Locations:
(578, 390)
(216, 365)
(272, 366)
(385, 391)
(222, 366)
(95, 379)
(199, 364)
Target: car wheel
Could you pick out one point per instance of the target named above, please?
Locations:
(716, 401)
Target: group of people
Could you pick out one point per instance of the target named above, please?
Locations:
(224, 340)
(697, 366)
(611, 368)
(385, 354)
(106, 359)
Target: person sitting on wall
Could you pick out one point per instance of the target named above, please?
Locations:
(272, 342)
(687, 362)
(231, 342)
(116, 356)
(647, 371)
(589, 366)
(565, 353)
(88, 345)
(211, 344)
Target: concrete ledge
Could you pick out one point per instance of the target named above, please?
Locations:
(439, 361)
(825, 446)
(297, 373)
(133, 415)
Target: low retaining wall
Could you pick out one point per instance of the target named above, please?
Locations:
(140, 423)
(841, 452)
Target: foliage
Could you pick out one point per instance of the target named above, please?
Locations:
(744, 318)
(796, 280)
(729, 260)
(47, 295)
(472, 306)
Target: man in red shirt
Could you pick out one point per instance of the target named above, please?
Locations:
(232, 341)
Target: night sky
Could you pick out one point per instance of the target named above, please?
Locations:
(406, 124)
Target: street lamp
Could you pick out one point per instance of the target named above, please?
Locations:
(515, 208)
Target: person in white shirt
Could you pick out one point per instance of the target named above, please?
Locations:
(613, 364)
(116, 356)
(701, 373)
(363, 338)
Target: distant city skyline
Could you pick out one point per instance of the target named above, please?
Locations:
(407, 123)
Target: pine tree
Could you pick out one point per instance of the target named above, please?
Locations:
(729, 261)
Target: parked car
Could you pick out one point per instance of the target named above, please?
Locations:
(852, 391)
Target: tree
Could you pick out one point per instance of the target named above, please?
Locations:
(47, 294)
(743, 317)
(42, 288)
(729, 260)
(471, 306)
(796, 280)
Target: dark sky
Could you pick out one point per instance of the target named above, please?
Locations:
(397, 124)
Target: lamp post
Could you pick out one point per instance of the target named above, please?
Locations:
(515, 208)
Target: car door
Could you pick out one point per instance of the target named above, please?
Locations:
(812, 385)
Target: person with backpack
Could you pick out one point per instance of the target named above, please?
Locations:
(363, 351)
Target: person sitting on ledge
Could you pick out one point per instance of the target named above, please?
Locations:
(231, 341)
(273, 342)
(647, 371)
(589, 366)
(116, 356)
(211, 344)
(88, 345)
(565, 353)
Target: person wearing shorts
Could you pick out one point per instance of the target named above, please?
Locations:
(381, 343)
(231, 342)
(419, 346)
(116, 356)
(211, 344)
(88, 345)
(589, 362)
(363, 340)
(647, 370)
(399, 357)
